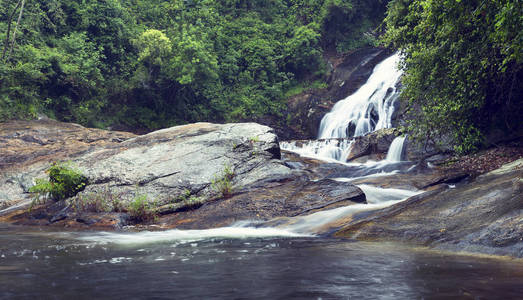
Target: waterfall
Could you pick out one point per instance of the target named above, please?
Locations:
(395, 152)
(370, 108)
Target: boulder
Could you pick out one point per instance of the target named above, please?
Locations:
(184, 161)
(372, 144)
(213, 174)
(483, 216)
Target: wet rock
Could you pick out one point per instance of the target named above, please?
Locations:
(353, 71)
(484, 216)
(268, 200)
(416, 179)
(374, 143)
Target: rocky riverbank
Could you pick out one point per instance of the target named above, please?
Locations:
(483, 216)
(207, 175)
(229, 172)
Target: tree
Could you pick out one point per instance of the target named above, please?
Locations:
(461, 61)
(155, 49)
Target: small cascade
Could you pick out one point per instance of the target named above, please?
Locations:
(320, 222)
(370, 108)
(237, 231)
(328, 149)
(395, 153)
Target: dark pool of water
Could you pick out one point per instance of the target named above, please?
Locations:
(43, 265)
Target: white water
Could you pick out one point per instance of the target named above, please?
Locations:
(303, 226)
(375, 99)
(370, 108)
(395, 152)
(187, 236)
(330, 149)
(377, 198)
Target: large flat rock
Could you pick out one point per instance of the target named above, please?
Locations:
(27, 148)
(168, 169)
(184, 161)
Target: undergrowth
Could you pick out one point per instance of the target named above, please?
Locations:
(222, 182)
(64, 181)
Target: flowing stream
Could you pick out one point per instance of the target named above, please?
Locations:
(241, 265)
(286, 258)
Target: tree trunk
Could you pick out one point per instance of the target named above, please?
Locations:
(8, 33)
(16, 28)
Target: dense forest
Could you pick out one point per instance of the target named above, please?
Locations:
(149, 64)
(463, 67)
(155, 63)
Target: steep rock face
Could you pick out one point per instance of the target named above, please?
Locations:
(205, 174)
(484, 216)
(354, 70)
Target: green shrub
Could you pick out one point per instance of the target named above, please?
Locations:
(99, 201)
(222, 183)
(140, 209)
(64, 182)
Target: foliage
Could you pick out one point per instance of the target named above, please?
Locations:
(186, 201)
(150, 64)
(141, 209)
(300, 87)
(463, 62)
(64, 182)
(222, 182)
(100, 201)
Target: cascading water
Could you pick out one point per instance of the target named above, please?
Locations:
(377, 198)
(330, 149)
(395, 153)
(369, 108)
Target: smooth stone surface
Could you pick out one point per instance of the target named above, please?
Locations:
(483, 216)
(175, 170)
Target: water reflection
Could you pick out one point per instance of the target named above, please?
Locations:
(48, 265)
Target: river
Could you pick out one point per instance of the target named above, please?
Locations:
(244, 264)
